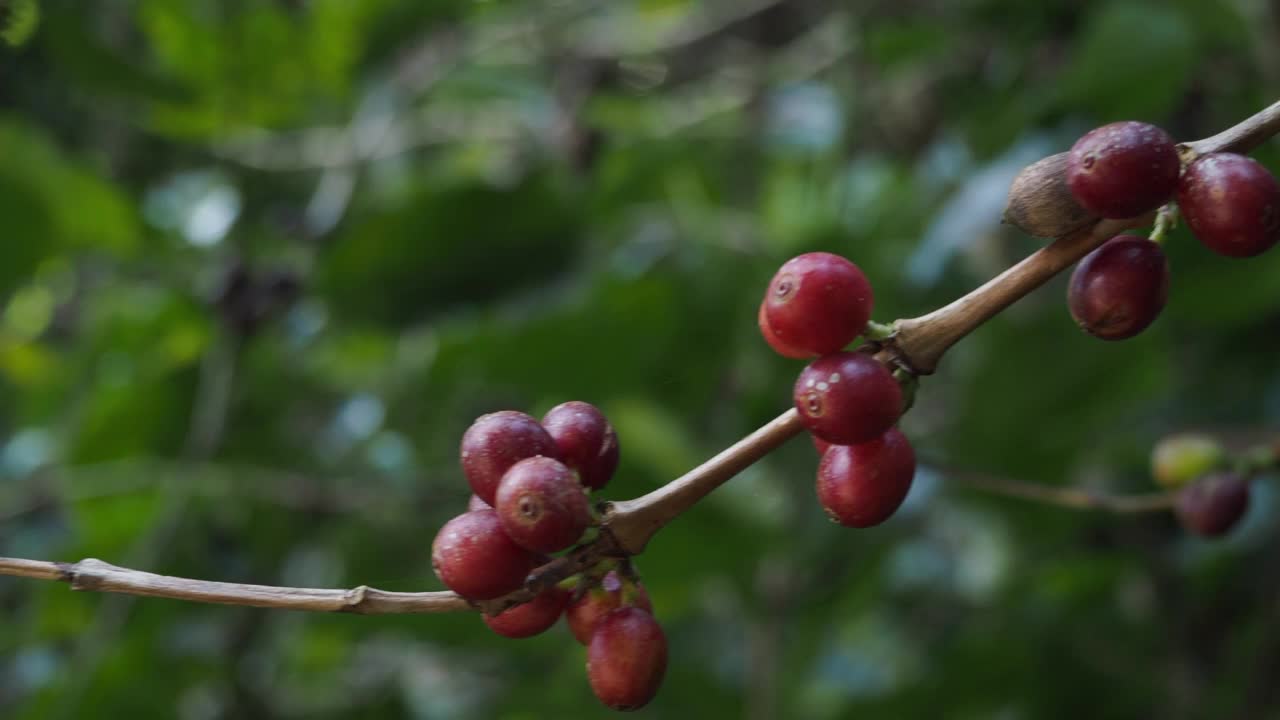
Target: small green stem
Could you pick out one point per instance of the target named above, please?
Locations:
(1257, 459)
(1166, 220)
(879, 332)
(909, 383)
(591, 534)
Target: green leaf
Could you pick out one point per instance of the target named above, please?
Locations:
(1132, 61)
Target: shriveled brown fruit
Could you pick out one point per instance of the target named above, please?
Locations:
(1041, 204)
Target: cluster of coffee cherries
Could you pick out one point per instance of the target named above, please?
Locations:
(1212, 486)
(816, 305)
(530, 481)
(1126, 169)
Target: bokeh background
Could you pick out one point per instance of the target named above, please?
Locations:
(263, 261)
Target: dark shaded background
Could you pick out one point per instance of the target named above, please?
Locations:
(263, 261)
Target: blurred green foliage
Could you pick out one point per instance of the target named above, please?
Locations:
(265, 260)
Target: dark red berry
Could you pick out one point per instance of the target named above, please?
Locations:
(475, 558)
(816, 304)
(846, 398)
(541, 505)
(531, 618)
(1213, 505)
(475, 503)
(1119, 289)
(612, 593)
(627, 658)
(1123, 169)
(777, 344)
(1231, 203)
(586, 440)
(822, 446)
(495, 442)
(863, 485)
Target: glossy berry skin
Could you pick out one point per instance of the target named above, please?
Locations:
(475, 503)
(864, 485)
(1119, 289)
(541, 505)
(583, 613)
(475, 558)
(847, 398)
(1231, 204)
(585, 440)
(770, 337)
(1123, 169)
(627, 658)
(817, 303)
(1178, 459)
(1214, 504)
(531, 618)
(495, 442)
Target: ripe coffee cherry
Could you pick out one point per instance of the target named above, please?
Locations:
(475, 503)
(627, 658)
(1123, 169)
(613, 593)
(1178, 459)
(586, 441)
(495, 442)
(1214, 504)
(863, 485)
(817, 303)
(1231, 203)
(475, 558)
(531, 618)
(777, 344)
(846, 398)
(541, 505)
(1119, 289)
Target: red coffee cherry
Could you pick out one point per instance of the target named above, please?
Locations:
(475, 503)
(612, 593)
(1123, 169)
(531, 618)
(1231, 203)
(847, 398)
(816, 304)
(1119, 289)
(475, 558)
(586, 441)
(541, 505)
(1214, 504)
(864, 485)
(495, 442)
(627, 658)
(774, 341)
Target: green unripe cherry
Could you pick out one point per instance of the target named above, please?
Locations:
(1178, 459)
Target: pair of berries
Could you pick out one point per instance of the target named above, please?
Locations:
(613, 618)
(1212, 498)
